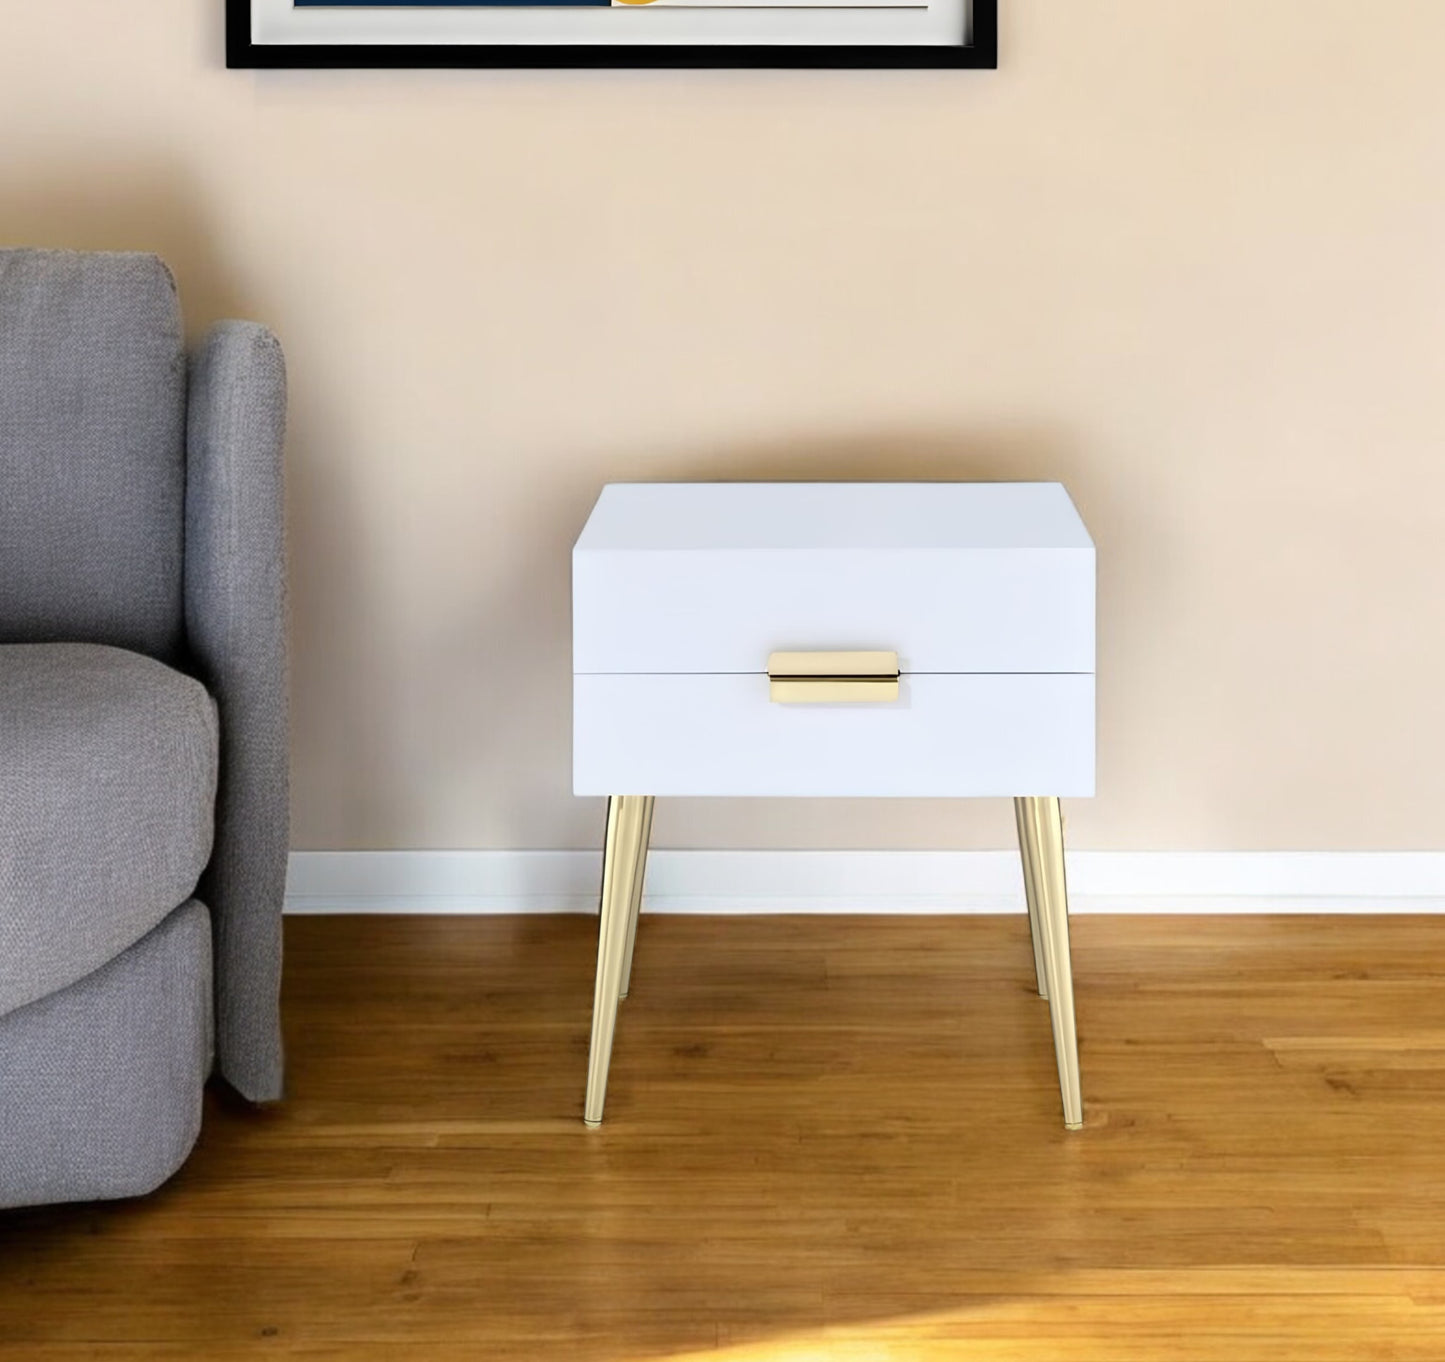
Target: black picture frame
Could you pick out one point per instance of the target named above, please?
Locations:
(242, 54)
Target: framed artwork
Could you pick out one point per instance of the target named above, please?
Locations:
(617, 33)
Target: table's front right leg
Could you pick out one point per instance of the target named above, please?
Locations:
(628, 817)
(1041, 833)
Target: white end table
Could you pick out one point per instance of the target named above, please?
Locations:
(834, 639)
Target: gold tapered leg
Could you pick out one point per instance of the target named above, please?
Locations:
(619, 868)
(1031, 895)
(1042, 832)
(635, 905)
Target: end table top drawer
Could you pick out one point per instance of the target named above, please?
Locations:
(953, 577)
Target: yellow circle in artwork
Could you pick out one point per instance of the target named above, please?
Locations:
(638, 2)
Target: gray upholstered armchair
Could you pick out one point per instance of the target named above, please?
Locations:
(143, 797)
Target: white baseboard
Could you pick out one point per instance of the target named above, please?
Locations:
(474, 882)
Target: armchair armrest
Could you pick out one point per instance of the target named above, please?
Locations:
(236, 629)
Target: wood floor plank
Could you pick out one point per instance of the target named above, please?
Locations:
(825, 1138)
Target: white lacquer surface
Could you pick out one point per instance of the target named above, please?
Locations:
(945, 736)
(954, 577)
(985, 591)
(643, 517)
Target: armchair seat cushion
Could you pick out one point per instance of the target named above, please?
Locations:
(108, 768)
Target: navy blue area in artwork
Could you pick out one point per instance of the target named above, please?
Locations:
(452, 4)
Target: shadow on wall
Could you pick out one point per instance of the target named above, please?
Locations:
(1002, 454)
(88, 205)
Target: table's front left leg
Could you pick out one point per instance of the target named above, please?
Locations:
(626, 823)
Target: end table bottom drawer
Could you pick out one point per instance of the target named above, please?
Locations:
(947, 736)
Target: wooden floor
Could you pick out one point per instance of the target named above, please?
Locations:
(825, 1139)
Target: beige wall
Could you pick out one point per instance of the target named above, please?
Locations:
(1198, 275)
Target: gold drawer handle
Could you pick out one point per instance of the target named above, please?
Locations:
(832, 678)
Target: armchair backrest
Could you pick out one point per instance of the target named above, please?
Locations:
(92, 451)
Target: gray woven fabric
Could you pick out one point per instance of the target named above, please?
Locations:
(107, 791)
(235, 618)
(139, 506)
(100, 1084)
(92, 407)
